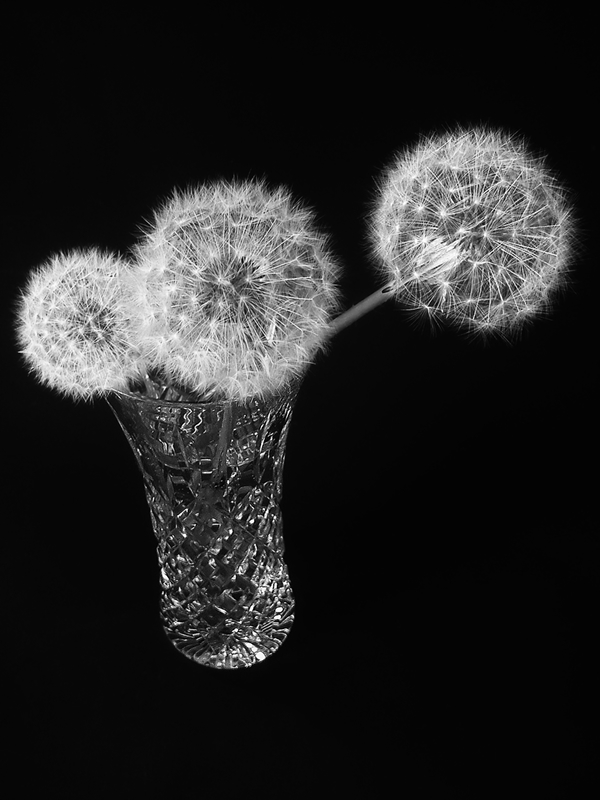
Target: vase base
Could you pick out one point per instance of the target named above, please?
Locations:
(234, 643)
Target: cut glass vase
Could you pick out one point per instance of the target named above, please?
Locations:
(213, 472)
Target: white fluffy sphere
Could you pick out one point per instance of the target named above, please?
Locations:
(73, 324)
(235, 289)
(470, 226)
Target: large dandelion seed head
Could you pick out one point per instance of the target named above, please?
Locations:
(73, 323)
(236, 288)
(472, 227)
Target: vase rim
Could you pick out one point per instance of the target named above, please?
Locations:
(287, 388)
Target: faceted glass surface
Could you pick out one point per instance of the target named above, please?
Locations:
(213, 477)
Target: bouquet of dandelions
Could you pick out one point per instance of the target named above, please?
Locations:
(233, 290)
(228, 296)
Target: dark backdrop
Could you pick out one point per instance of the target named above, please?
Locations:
(439, 494)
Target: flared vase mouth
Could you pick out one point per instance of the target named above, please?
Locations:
(290, 388)
(139, 397)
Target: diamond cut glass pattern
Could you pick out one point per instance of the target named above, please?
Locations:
(212, 472)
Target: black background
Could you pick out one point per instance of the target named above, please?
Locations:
(439, 493)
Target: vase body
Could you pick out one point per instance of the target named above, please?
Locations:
(213, 472)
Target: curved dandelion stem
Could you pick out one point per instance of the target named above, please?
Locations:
(360, 309)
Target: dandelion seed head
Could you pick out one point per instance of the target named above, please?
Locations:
(241, 287)
(73, 324)
(492, 223)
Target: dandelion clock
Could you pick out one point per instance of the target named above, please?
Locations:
(236, 289)
(469, 227)
(73, 324)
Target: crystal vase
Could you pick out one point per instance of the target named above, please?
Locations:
(212, 473)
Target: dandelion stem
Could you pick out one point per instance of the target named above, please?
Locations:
(224, 439)
(360, 309)
(150, 387)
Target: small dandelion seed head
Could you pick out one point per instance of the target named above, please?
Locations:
(74, 322)
(495, 228)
